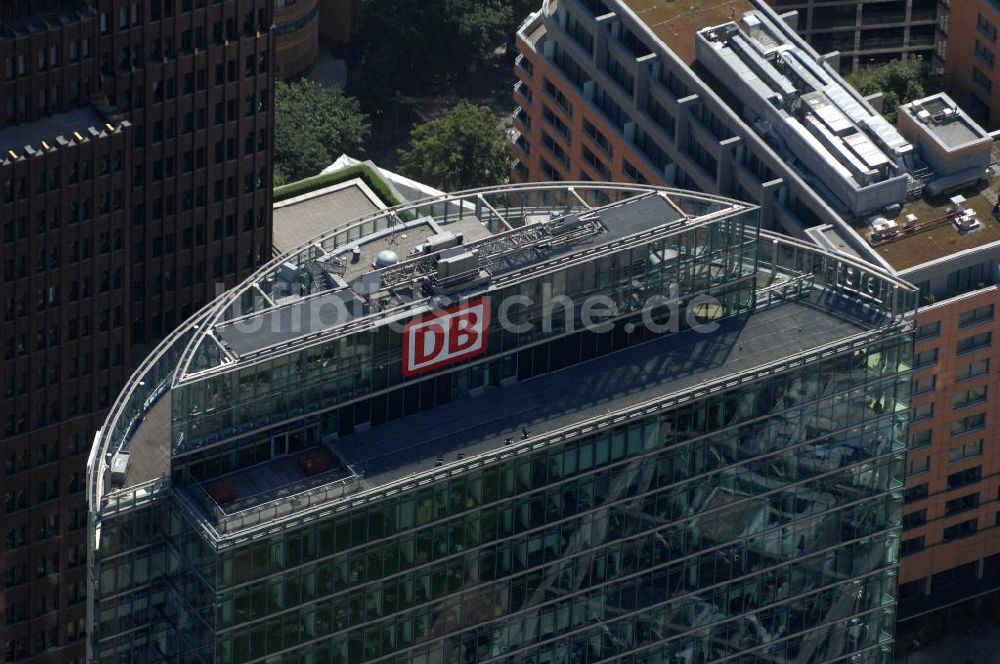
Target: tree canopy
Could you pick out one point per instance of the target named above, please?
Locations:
(464, 148)
(313, 125)
(898, 81)
(408, 44)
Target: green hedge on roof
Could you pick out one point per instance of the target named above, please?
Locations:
(364, 171)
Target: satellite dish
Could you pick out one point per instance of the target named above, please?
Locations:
(385, 258)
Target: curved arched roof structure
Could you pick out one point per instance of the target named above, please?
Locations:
(329, 289)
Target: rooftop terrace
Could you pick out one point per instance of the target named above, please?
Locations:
(654, 370)
(677, 22)
(936, 236)
(298, 220)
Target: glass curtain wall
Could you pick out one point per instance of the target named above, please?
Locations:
(761, 521)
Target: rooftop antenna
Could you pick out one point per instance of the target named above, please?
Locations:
(395, 220)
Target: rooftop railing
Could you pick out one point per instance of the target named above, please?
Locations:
(487, 203)
(150, 381)
(292, 498)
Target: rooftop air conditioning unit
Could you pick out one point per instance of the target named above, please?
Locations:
(119, 468)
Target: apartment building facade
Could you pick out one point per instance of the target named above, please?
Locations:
(971, 66)
(951, 540)
(135, 175)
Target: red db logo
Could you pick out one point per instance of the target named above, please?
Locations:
(446, 337)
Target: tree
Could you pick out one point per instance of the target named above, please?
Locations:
(313, 125)
(899, 81)
(464, 148)
(410, 44)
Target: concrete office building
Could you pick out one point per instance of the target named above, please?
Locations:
(735, 103)
(873, 32)
(337, 490)
(135, 141)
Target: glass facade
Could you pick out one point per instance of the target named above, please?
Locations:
(704, 260)
(756, 521)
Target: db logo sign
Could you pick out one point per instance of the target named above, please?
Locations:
(446, 337)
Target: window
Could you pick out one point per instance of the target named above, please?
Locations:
(959, 530)
(984, 55)
(910, 546)
(632, 172)
(555, 122)
(918, 492)
(965, 451)
(599, 166)
(920, 439)
(620, 75)
(986, 28)
(661, 115)
(969, 423)
(917, 465)
(963, 280)
(580, 34)
(963, 504)
(555, 149)
(923, 411)
(928, 331)
(982, 80)
(976, 316)
(552, 91)
(925, 357)
(548, 170)
(972, 370)
(914, 519)
(965, 477)
(969, 397)
(598, 137)
(922, 384)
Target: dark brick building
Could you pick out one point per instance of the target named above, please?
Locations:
(135, 143)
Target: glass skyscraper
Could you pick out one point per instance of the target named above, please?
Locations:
(538, 424)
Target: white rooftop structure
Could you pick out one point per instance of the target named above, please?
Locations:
(805, 110)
